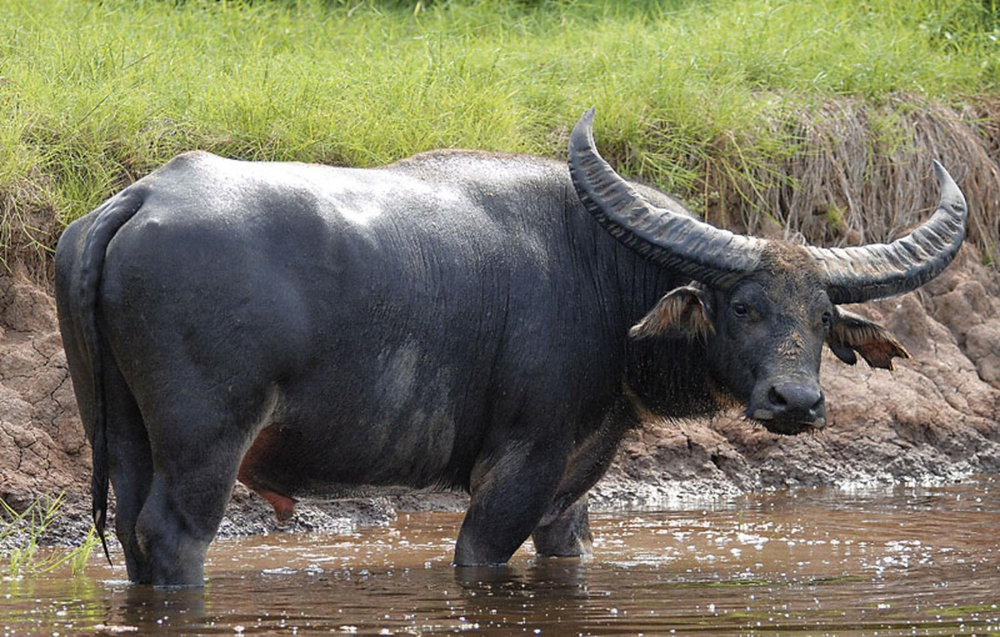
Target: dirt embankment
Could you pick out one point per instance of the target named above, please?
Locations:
(42, 444)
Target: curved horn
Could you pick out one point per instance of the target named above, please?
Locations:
(875, 271)
(699, 250)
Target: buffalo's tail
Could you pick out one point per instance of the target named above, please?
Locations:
(114, 215)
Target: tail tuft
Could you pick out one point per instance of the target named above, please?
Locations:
(99, 490)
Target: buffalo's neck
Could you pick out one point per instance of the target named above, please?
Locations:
(668, 376)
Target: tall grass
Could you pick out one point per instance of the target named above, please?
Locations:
(94, 95)
(22, 536)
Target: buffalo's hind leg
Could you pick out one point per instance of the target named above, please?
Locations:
(568, 535)
(130, 468)
(198, 441)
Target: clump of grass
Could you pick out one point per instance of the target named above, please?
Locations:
(21, 540)
(863, 174)
(702, 98)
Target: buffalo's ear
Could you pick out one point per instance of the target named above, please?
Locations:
(851, 333)
(679, 313)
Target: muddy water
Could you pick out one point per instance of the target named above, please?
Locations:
(902, 561)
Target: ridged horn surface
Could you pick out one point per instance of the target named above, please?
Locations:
(701, 251)
(874, 271)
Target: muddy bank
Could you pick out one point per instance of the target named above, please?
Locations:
(934, 418)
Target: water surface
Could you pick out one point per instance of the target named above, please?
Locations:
(914, 560)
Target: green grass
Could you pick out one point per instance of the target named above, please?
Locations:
(22, 538)
(94, 95)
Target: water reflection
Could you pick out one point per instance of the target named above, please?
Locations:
(809, 562)
(149, 607)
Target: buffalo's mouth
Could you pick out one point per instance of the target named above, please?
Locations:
(786, 426)
(789, 406)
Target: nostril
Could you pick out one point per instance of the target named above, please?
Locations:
(795, 398)
(819, 402)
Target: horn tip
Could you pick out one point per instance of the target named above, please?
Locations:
(944, 178)
(950, 192)
(940, 171)
(581, 136)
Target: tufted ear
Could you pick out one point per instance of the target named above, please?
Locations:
(679, 313)
(851, 333)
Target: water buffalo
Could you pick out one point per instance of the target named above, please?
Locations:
(458, 320)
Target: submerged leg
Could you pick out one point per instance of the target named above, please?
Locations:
(565, 529)
(511, 491)
(178, 522)
(130, 468)
(568, 535)
(197, 445)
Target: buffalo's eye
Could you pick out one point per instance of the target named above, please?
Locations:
(741, 310)
(827, 319)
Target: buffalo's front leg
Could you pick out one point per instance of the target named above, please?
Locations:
(511, 490)
(564, 531)
(568, 535)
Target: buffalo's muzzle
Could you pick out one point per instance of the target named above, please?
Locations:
(790, 408)
(795, 401)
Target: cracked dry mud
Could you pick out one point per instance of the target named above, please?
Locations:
(934, 418)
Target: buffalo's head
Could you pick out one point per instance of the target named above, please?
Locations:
(765, 308)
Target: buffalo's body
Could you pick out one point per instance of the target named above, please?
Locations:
(456, 320)
(430, 324)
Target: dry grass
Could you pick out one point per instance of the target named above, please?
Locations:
(861, 173)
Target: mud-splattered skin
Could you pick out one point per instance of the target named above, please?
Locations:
(457, 320)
